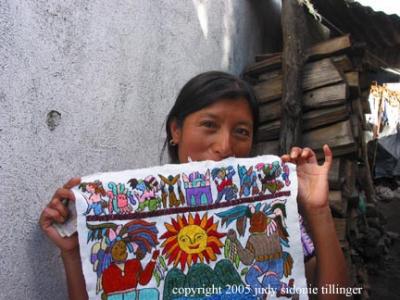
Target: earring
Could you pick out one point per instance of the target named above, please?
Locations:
(172, 143)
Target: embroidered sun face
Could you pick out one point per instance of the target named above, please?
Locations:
(190, 240)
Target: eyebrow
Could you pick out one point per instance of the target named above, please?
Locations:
(211, 115)
(250, 124)
(215, 116)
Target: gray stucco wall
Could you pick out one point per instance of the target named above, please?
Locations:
(112, 70)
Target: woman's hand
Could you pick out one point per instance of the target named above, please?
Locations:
(57, 212)
(312, 178)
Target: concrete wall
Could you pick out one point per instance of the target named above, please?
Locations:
(85, 87)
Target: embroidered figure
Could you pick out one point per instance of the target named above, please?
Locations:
(190, 240)
(117, 275)
(119, 197)
(96, 197)
(198, 188)
(223, 178)
(170, 182)
(145, 190)
(285, 174)
(263, 251)
(270, 181)
(248, 181)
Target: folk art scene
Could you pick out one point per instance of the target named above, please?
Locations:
(202, 230)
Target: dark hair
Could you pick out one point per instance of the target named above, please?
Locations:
(201, 91)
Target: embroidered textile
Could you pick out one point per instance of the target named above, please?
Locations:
(211, 230)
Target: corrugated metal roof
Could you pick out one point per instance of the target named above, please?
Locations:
(380, 32)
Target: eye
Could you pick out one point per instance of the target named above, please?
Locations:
(198, 236)
(243, 131)
(208, 124)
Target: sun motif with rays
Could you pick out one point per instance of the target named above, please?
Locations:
(190, 240)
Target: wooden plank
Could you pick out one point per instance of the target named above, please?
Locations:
(320, 73)
(316, 74)
(330, 47)
(352, 79)
(319, 98)
(269, 90)
(318, 51)
(337, 203)
(271, 63)
(270, 75)
(270, 147)
(311, 120)
(335, 180)
(261, 57)
(326, 96)
(342, 63)
(326, 116)
(338, 136)
(270, 111)
(269, 131)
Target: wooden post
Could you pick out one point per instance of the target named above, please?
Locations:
(293, 59)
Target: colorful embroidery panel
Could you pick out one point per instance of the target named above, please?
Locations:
(203, 230)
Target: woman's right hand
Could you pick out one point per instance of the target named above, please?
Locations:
(57, 212)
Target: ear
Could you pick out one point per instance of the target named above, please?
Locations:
(176, 131)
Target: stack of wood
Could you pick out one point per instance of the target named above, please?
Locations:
(335, 99)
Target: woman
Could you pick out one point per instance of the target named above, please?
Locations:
(214, 117)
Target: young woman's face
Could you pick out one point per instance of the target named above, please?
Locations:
(215, 132)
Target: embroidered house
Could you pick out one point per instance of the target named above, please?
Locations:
(198, 188)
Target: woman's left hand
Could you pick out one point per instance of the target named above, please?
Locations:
(312, 178)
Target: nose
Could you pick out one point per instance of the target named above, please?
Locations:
(223, 145)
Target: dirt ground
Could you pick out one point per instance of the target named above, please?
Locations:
(385, 280)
